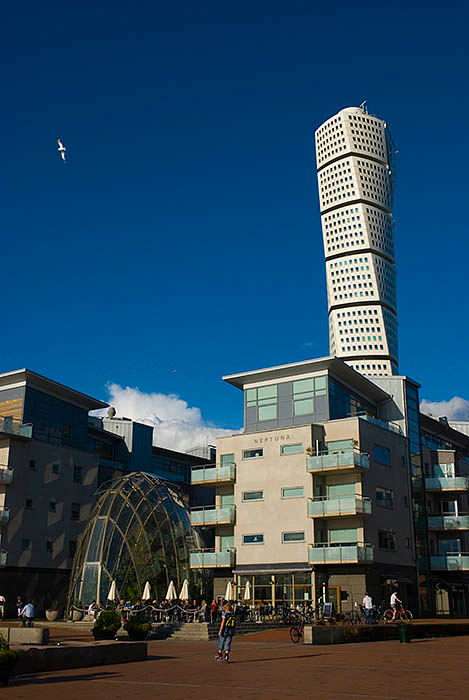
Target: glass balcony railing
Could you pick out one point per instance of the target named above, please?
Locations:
(344, 553)
(456, 561)
(393, 427)
(209, 558)
(448, 522)
(15, 427)
(345, 505)
(213, 474)
(4, 515)
(209, 515)
(347, 459)
(3, 557)
(6, 475)
(447, 483)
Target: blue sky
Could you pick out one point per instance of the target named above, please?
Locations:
(184, 231)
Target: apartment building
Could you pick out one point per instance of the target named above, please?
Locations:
(314, 498)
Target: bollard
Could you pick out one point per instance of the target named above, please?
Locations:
(404, 636)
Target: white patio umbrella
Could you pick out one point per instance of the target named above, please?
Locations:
(171, 592)
(146, 595)
(229, 591)
(112, 595)
(247, 591)
(184, 594)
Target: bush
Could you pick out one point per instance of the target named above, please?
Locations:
(107, 624)
(4, 646)
(8, 660)
(137, 628)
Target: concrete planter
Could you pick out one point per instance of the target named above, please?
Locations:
(77, 615)
(52, 615)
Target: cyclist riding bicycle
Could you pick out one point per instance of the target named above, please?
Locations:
(396, 604)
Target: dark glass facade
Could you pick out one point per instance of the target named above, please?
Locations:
(344, 403)
(55, 421)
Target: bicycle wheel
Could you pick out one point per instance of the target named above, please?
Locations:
(295, 634)
(388, 615)
(405, 616)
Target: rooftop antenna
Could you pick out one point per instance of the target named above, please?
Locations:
(364, 107)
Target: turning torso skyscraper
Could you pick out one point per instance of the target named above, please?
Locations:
(355, 161)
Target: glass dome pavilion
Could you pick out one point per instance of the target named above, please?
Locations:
(139, 531)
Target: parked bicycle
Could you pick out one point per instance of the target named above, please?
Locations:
(297, 633)
(401, 615)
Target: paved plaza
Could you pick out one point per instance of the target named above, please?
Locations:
(267, 665)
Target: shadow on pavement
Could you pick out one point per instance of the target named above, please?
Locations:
(42, 680)
(277, 658)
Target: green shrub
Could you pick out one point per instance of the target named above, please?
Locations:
(108, 621)
(8, 660)
(4, 646)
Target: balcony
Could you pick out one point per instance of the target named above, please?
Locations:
(393, 427)
(213, 475)
(337, 461)
(6, 475)
(209, 515)
(3, 557)
(447, 483)
(345, 505)
(4, 515)
(345, 553)
(210, 559)
(455, 561)
(15, 427)
(448, 522)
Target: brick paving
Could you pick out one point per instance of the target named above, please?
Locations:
(266, 665)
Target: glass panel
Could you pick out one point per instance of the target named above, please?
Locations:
(227, 459)
(267, 412)
(339, 445)
(334, 490)
(226, 542)
(348, 534)
(253, 496)
(251, 394)
(293, 492)
(267, 392)
(227, 499)
(291, 449)
(302, 386)
(303, 407)
(94, 552)
(253, 539)
(252, 454)
(293, 536)
(319, 383)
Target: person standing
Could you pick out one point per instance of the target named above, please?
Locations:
(225, 633)
(368, 606)
(19, 606)
(3, 602)
(394, 604)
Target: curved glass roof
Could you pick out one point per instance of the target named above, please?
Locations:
(139, 531)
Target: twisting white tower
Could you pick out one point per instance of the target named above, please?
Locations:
(355, 161)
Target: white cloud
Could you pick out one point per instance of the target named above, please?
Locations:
(176, 425)
(454, 409)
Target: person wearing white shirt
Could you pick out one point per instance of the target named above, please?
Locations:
(368, 605)
(396, 604)
(27, 615)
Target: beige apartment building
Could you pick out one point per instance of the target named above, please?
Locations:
(313, 499)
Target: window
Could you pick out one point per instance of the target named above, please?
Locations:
(49, 546)
(56, 468)
(253, 496)
(227, 459)
(77, 475)
(265, 398)
(293, 537)
(293, 492)
(52, 507)
(384, 497)
(28, 503)
(386, 539)
(25, 544)
(67, 430)
(32, 464)
(72, 548)
(382, 455)
(253, 539)
(252, 454)
(75, 511)
(291, 449)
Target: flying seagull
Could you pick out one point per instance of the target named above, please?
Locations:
(61, 149)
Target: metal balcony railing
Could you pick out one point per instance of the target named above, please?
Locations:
(448, 522)
(347, 459)
(210, 515)
(213, 474)
(344, 505)
(209, 558)
(340, 553)
(6, 475)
